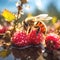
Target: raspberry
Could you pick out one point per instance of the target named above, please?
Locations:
(35, 38)
(52, 41)
(2, 29)
(20, 39)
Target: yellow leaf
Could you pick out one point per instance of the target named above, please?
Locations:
(8, 15)
(54, 19)
(29, 15)
(4, 53)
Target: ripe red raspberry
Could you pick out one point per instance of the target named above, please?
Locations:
(52, 41)
(35, 38)
(2, 29)
(20, 39)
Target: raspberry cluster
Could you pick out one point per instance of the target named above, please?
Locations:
(23, 39)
